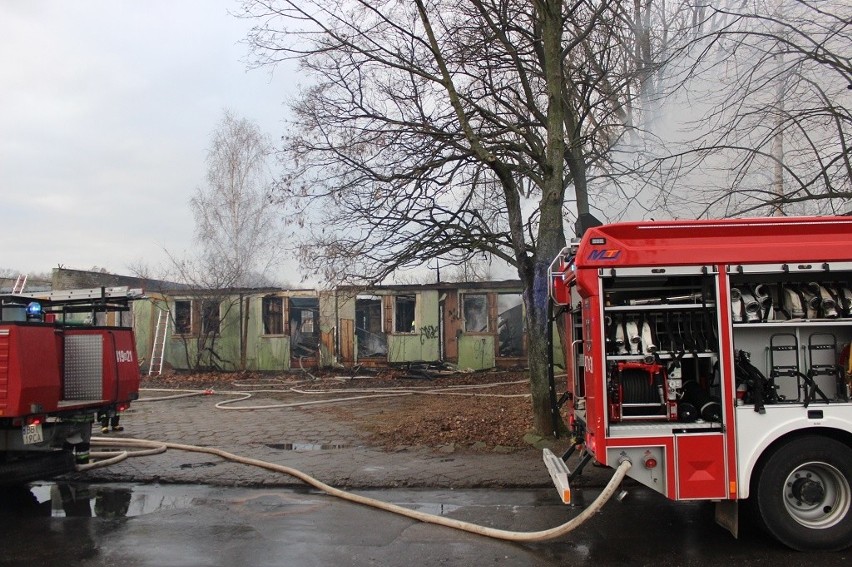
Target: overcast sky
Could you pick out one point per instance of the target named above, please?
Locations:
(106, 112)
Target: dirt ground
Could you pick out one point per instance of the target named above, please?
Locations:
(478, 411)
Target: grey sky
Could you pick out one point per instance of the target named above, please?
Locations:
(106, 113)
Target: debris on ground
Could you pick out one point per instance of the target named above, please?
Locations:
(480, 411)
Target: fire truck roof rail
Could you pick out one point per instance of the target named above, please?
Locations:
(94, 293)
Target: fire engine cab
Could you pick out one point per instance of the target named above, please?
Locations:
(714, 355)
(65, 357)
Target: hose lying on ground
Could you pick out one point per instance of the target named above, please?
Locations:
(113, 457)
(543, 535)
(362, 394)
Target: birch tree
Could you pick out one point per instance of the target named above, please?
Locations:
(237, 231)
(238, 237)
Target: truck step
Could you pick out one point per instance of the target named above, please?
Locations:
(559, 473)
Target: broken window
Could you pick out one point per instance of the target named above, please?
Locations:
(368, 327)
(404, 313)
(183, 317)
(304, 326)
(272, 313)
(510, 324)
(307, 321)
(475, 313)
(210, 317)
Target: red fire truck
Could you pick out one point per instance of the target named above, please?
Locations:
(65, 356)
(714, 356)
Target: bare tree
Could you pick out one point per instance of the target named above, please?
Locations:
(197, 312)
(473, 270)
(767, 88)
(238, 237)
(449, 129)
(236, 229)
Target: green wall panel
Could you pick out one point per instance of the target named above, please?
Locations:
(476, 352)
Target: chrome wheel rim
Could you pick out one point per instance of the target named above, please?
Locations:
(817, 495)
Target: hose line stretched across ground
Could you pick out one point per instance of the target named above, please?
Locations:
(159, 446)
(363, 394)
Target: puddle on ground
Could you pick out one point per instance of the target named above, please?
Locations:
(304, 446)
(66, 500)
(197, 465)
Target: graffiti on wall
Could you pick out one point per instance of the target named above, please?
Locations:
(428, 332)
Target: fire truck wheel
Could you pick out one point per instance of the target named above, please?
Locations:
(35, 466)
(803, 494)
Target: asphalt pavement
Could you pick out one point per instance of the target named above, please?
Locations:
(308, 439)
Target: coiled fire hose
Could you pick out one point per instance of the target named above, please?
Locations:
(147, 447)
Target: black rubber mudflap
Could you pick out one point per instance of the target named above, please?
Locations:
(35, 466)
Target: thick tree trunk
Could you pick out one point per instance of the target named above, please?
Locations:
(551, 235)
(536, 297)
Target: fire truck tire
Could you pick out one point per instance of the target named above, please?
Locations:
(40, 466)
(803, 494)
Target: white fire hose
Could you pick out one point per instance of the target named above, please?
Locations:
(141, 447)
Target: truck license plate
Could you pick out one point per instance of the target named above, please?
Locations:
(32, 434)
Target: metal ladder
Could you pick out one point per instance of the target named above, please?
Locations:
(20, 283)
(158, 348)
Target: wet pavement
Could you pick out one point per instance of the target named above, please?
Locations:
(192, 509)
(309, 439)
(130, 525)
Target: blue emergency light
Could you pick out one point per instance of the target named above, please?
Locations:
(35, 311)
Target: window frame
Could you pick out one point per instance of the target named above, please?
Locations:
(303, 320)
(268, 315)
(483, 296)
(404, 300)
(501, 318)
(209, 309)
(183, 325)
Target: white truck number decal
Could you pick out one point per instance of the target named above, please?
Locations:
(124, 355)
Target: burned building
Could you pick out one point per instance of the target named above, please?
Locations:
(473, 325)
